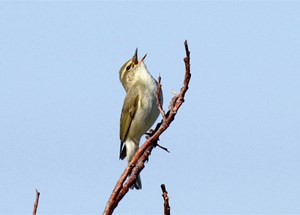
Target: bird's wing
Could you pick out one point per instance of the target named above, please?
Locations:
(128, 111)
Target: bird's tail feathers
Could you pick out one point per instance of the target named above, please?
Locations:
(138, 183)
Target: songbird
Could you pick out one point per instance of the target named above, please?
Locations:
(140, 108)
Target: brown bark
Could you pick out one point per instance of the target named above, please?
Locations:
(36, 203)
(167, 208)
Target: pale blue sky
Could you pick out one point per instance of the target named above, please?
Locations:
(235, 143)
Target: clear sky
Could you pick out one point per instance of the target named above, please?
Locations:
(235, 143)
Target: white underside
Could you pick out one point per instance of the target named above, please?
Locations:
(131, 149)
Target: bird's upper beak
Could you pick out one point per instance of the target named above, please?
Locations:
(135, 58)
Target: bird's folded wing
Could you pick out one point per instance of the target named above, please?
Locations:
(128, 112)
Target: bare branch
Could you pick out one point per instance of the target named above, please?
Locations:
(136, 165)
(167, 208)
(36, 203)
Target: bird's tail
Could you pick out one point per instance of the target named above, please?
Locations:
(138, 183)
(131, 149)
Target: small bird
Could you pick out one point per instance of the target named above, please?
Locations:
(139, 110)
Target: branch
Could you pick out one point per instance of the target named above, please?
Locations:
(136, 165)
(167, 208)
(36, 203)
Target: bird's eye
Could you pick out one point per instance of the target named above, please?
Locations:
(128, 67)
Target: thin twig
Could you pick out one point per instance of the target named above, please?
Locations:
(163, 148)
(136, 165)
(167, 208)
(36, 203)
(158, 97)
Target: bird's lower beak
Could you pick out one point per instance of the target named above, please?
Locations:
(142, 60)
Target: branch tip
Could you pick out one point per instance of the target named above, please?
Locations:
(167, 208)
(187, 48)
(36, 203)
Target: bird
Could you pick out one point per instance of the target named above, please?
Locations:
(140, 110)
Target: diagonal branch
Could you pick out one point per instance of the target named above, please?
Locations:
(136, 165)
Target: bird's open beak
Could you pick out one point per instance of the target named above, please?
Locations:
(135, 58)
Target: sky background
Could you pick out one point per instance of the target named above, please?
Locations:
(235, 143)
